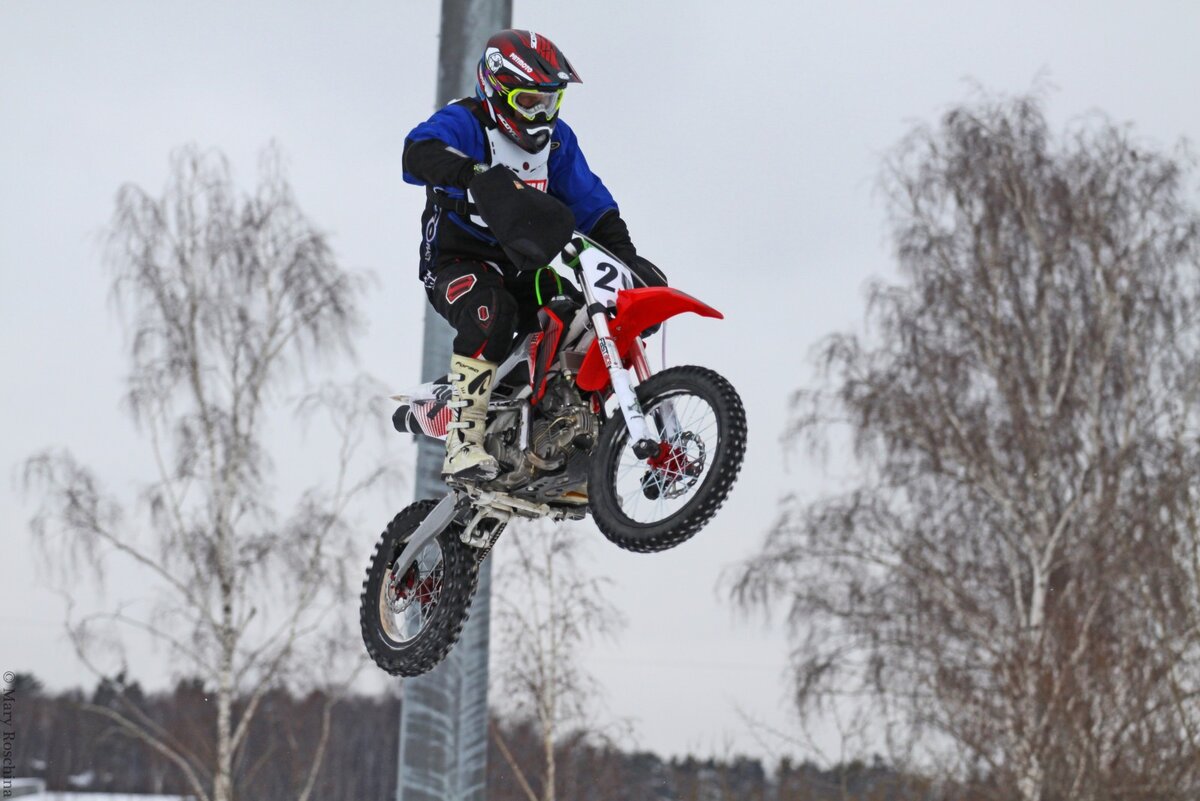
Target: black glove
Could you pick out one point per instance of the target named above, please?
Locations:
(532, 226)
(649, 275)
(612, 232)
(647, 272)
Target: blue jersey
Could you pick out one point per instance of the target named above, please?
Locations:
(562, 171)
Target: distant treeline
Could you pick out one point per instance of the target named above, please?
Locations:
(74, 749)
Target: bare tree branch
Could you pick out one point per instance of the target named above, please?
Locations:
(1015, 568)
(545, 607)
(227, 298)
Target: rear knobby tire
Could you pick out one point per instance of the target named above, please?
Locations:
(460, 574)
(704, 500)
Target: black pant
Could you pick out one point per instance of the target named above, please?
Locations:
(487, 307)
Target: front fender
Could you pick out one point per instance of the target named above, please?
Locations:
(637, 310)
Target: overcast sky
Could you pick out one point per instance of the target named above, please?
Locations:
(742, 140)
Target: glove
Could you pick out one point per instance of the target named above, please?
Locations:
(612, 232)
(647, 272)
(532, 226)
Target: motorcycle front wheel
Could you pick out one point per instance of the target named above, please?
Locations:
(409, 622)
(649, 505)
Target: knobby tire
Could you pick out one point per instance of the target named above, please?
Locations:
(460, 575)
(681, 526)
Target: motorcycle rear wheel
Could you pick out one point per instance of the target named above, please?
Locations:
(649, 506)
(409, 623)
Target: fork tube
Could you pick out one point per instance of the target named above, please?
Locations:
(635, 420)
(664, 414)
(640, 365)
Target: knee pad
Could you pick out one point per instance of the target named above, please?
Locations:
(499, 328)
(485, 324)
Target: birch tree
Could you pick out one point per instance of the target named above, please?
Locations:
(546, 608)
(1012, 580)
(227, 299)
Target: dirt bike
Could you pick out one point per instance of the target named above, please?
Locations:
(579, 424)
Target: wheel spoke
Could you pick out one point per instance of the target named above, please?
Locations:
(407, 602)
(668, 485)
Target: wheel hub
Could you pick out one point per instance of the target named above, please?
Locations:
(401, 592)
(673, 471)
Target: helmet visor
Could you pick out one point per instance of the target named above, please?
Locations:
(531, 102)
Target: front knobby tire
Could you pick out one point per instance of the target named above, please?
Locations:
(417, 641)
(624, 494)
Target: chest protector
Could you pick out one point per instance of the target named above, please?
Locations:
(532, 168)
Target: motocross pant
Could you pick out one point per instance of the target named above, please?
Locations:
(487, 307)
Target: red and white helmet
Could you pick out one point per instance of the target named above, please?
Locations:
(521, 80)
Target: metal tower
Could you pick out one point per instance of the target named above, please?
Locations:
(444, 714)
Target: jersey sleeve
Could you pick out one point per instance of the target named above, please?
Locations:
(574, 183)
(454, 126)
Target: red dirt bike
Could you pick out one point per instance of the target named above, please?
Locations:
(579, 424)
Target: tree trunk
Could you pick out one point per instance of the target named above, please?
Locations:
(223, 776)
(548, 750)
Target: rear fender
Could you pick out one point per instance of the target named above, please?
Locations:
(637, 310)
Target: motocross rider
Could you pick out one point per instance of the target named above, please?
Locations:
(512, 121)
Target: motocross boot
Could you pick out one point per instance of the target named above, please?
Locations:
(465, 454)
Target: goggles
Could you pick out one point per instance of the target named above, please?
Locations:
(531, 102)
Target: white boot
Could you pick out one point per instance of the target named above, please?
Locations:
(465, 455)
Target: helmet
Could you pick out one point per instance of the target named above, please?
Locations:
(521, 80)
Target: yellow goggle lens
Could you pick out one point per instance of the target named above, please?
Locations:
(531, 102)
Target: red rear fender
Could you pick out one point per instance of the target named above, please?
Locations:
(637, 310)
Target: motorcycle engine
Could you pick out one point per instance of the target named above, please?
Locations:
(563, 425)
(566, 425)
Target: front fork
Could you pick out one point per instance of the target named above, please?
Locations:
(664, 413)
(645, 446)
